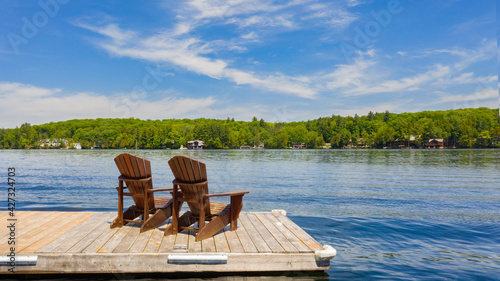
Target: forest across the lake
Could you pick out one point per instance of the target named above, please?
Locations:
(458, 128)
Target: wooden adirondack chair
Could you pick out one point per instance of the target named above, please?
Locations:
(135, 174)
(191, 186)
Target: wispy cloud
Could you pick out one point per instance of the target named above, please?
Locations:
(368, 73)
(481, 97)
(189, 53)
(351, 75)
(180, 48)
(465, 78)
(112, 31)
(263, 21)
(471, 25)
(331, 14)
(467, 57)
(204, 9)
(250, 36)
(375, 107)
(353, 3)
(411, 83)
(243, 13)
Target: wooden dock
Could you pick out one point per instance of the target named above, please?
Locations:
(82, 242)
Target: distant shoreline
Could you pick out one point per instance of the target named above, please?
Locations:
(267, 149)
(459, 128)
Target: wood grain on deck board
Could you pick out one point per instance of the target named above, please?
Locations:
(89, 232)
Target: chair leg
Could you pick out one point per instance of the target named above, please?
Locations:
(159, 217)
(236, 206)
(201, 218)
(145, 215)
(118, 222)
(182, 221)
(173, 228)
(215, 225)
(128, 215)
(120, 204)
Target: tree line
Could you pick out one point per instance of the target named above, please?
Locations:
(460, 128)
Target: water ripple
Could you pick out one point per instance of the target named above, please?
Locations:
(391, 214)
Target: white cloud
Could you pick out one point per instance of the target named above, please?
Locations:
(486, 51)
(27, 103)
(181, 49)
(188, 54)
(481, 97)
(349, 75)
(250, 36)
(182, 28)
(182, 53)
(471, 25)
(353, 3)
(465, 78)
(368, 75)
(412, 83)
(263, 21)
(173, 107)
(12, 90)
(112, 31)
(237, 112)
(280, 83)
(332, 15)
(206, 9)
(380, 107)
(36, 105)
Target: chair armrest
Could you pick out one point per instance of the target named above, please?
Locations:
(231, 193)
(160, 189)
(122, 178)
(189, 183)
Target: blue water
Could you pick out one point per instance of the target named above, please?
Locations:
(391, 214)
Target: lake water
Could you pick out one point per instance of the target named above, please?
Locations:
(391, 214)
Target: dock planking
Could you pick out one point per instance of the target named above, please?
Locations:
(83, 242)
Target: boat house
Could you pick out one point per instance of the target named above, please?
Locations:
(55, 143)
(196, 144)
(296, 145)
(76, 145)
(435, 143)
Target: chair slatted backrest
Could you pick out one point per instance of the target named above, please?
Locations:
(190, 170)
(135, 167)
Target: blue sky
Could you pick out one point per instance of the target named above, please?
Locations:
(278, 60)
